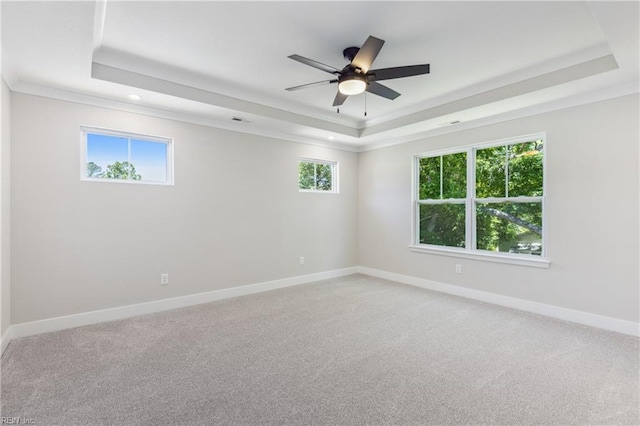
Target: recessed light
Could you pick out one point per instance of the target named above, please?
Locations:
(134, 97)
(332, 137)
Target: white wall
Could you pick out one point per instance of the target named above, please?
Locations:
(234, 216)
(5, 211)
(592, 206)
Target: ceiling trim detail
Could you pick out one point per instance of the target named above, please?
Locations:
(565, 75)
(146, 82)
(64, 95)
(109, 66)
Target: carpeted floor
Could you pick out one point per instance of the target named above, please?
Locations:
(348, 351)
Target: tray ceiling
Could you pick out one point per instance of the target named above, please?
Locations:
(209, 62)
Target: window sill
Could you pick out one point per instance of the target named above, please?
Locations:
(317, 191)
(533, 261)
(126, 181)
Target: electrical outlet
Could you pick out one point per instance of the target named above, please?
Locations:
(302, 260)
(164, 279)
(458, 268)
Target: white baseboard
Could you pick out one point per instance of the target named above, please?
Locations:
(94, 317)
(6, 339)
(566, 314)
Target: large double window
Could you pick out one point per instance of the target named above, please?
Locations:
(482, 199)
(114, 156)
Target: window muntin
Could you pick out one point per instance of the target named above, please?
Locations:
(114, 156)
(317, 175)
(498, 208)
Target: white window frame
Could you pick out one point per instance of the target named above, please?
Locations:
(470, 252)
(85, 130)
(334, 175)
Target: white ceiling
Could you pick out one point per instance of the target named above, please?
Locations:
(207, 62)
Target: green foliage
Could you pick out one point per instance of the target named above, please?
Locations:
(509, 171)
(491, 172)
(429, 187)
(500, 225)
(501, 172)
(117, 170)
(306, 175)
(314, 176)
(93, 170)
(323, 177)
(442, 224)
(443, 177)
(121, 170)
(454, 175)
(525, 169)
(452, 168)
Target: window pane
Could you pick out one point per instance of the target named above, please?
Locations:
(148, 161)
(306, 175)
(454, 175)
(105, 156)
(509, 227)
(323, 177)
(442, 224)
(429, 184)
(525, 169)
(490, 172)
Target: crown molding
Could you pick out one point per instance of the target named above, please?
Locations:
(564, 103)
(70, 96)
(240, 127)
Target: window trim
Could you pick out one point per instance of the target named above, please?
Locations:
(85, 130)
(470, 252)
(334, 175)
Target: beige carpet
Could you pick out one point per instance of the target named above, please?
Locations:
(349, 351)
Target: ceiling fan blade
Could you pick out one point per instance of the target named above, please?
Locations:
(367, 53)
(339, 99)
(381, 90)
(315, 64)
(397, 72)
(317, 83)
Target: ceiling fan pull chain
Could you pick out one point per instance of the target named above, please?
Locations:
(365, 104)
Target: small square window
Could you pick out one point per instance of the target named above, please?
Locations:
(317, 175)
(126, 157)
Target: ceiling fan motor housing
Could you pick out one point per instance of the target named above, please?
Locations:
(350, 52)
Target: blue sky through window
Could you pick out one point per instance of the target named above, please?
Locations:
(149, 158)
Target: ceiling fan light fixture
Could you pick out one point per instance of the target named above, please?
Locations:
(352, 85)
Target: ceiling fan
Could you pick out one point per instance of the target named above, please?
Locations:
(357, 77)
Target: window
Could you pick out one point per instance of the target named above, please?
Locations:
(317, 175)
(442, 200)
(484, 199)
(126, 157)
